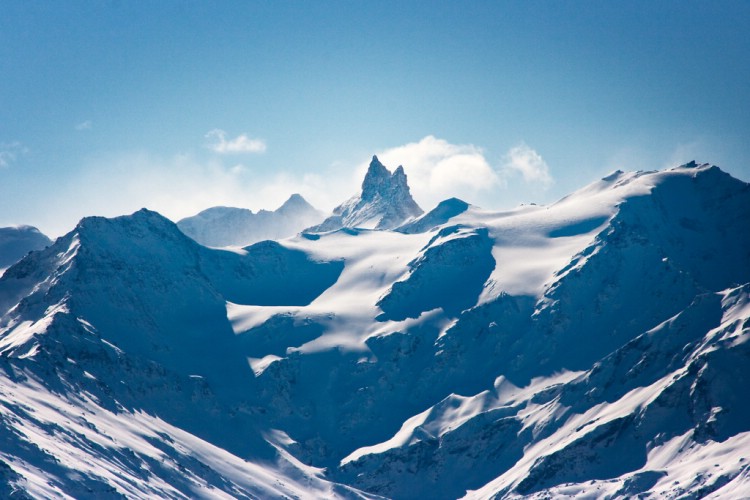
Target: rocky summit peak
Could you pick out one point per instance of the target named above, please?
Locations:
(379, 181)
(384, 203)
(377, 167)
(376, 179)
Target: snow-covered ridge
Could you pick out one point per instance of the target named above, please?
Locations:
(229, 226)
(594, 347)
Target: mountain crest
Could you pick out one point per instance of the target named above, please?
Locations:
(385, 202)
(224, 226)
(379, 181)
(295, 203)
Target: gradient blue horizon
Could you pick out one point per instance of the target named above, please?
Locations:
(589, 85)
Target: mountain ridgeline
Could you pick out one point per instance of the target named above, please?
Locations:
(230, 226)
(598, 346)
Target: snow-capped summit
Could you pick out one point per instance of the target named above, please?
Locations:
(385, 202)
(296, 204)
(229, 226)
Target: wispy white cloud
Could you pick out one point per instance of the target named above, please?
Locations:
(438, 170)
(526, 162)
(84, 125)
(10, 151)
(240, 144)
(180, 186)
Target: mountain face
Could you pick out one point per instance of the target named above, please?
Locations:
(123, 321)
(596, 347)
(384, 202)
(17, 241)
(228, 226)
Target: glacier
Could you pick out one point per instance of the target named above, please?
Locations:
(596, 347)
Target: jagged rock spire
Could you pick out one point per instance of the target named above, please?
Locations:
(385, 202)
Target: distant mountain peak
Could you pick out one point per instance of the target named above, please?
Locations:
(225, 226)
(295, 203)
(385, 202)
(295, 198)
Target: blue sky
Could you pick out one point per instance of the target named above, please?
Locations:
(106, 107)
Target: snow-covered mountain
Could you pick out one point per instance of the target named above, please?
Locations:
(229, 226)
(17, 241)
(595, 347)
(385, 202)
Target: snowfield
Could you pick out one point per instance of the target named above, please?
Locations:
(592, 348)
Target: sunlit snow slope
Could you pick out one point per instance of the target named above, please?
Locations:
(594, 347)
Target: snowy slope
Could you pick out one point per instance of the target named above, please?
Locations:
(594, 347)
(121, 373)
(229, 226)
(17, 241)
(571, 284)
(64, 442)
(385, 202)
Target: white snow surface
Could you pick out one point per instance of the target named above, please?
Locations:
(68, 446)
(595, 348)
